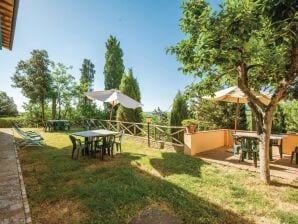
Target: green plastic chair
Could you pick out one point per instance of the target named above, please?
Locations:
(255, 151)
(244, 149)
(237, 145)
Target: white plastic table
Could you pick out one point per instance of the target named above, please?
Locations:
(96, 133)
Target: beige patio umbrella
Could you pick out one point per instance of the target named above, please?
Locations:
(113, 97)
(235, 95)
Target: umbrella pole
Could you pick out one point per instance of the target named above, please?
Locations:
(237, 115)
(111, 113)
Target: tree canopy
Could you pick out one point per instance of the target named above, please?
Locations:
(34, 78)
(7, 105)
(86, 107)
(113, 68)
(63, 85)
(179, 112)
(130, 87)
(251, 43)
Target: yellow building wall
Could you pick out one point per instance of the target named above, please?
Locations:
(209, 140)
(204, 141)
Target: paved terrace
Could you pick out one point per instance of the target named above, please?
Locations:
(13, 201)
(281, 168)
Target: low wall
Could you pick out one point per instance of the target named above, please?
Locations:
(209, 140)
(204, 141)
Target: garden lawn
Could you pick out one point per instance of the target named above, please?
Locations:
(62, 190)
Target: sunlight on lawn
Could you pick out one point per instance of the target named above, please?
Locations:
(62, 190)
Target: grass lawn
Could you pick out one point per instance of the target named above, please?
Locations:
(62, 190)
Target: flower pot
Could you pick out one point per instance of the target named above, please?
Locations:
(191, 129)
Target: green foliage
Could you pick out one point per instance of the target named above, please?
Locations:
(291, 115)
(7, 105)
(279, 123)
(87, 75)
(250, 43)
(63, 87)
(160, 117)
(113, 68)
(7, 122)
(242, 122)
(213, 115)
(188, 122)
(34, 78)
(139, 178)
(130, 87)
(241, 33)
(85, 106)
(179, 110)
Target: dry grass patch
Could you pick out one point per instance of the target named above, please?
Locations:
(58, 212)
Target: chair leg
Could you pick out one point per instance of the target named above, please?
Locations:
(244, 154)
(112, 150)
(280, 151)
(296, 157)
(72, 153)
(120, 148)
(292, 155)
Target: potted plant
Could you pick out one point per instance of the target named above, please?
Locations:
(191, 125)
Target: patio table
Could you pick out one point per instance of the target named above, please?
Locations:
(96, 133)
(255, 135)
(56, 124)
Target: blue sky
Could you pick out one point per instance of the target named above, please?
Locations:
(71, 30)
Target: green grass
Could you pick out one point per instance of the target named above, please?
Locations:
(62, 190)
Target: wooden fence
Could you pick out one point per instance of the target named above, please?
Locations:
(158, 135)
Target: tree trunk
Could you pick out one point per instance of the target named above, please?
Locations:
(264, 132)
(54, 105)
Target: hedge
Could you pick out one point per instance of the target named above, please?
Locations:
(6, 122)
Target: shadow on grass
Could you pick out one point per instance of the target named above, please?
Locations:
(176, 163)
(114, 190)
(280, 184)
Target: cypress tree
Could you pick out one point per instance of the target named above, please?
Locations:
(179, 112)
(130, 87)
(279, 121)
(113, 68)
(86, 107)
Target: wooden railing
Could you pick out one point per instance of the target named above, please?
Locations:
(155, 134)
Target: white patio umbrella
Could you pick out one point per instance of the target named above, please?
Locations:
(235, 95)
(113, 97)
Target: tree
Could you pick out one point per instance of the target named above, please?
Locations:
(213, 115)
(85, 106)
(113, 68)
(179, 112)
(250, 43)
(279, 120)
(291, 118)
(160, 117)
(7, 105)
(63, 87)
(34, 78)
(130, 87)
